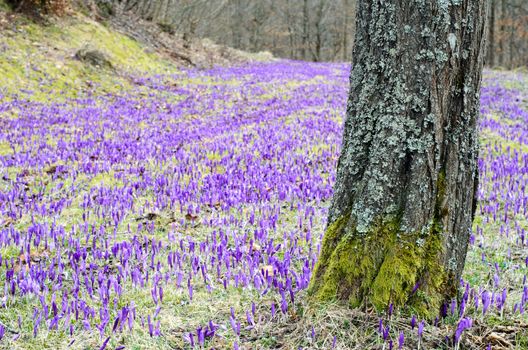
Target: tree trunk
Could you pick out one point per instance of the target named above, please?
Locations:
(503, 34)
(316, 54)
(401, 215)
(236, 25)
(345, 29)
(491, 41)
(290, 38)
(305, 30)
(511, 36)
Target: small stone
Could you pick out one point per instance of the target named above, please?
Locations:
(93, 57)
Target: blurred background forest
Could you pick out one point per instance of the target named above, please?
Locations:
(313, 30)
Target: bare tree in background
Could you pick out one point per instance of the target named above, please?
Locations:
(318, 30)
(508, 33)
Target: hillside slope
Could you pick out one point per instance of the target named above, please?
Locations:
(38, 59)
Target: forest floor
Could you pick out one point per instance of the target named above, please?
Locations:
(149, 206)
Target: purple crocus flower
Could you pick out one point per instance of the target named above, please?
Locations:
(386, 332)
(249, 319)
(420, 333)
(103, 347)
(200, 334)
(150, 326)
(486, 301)
(463, 325)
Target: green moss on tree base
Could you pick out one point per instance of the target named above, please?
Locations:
(386, 265)
(381, 267)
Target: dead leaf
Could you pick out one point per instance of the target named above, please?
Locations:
(267, 270)
(34, 257)
(51, 169)
(5, 222)
(255, 247)
(496, 339)
(191, 217)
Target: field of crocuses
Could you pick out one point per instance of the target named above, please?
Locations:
(189, 212)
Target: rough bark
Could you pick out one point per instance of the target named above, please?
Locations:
(404, 197)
